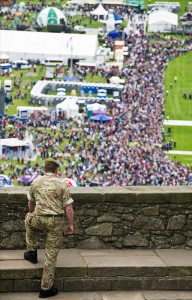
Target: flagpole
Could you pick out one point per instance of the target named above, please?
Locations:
(71, 59)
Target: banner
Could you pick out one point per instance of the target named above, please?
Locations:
(136, 3)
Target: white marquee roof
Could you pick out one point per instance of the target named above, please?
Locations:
(99, 11)
(25, 44)
(163, 17)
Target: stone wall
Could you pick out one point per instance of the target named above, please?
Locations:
(110, 217)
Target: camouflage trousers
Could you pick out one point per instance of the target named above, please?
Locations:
(53, 226)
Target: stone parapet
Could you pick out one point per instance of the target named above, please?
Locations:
(110, 217)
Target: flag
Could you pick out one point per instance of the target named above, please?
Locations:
(70, 43)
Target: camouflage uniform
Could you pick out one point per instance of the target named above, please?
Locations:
(51, 195)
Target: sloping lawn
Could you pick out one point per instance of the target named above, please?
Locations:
(182, 135)
(176, 107)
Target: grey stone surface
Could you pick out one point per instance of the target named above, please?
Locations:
(17, 269)
(175, 257)
(143, 295)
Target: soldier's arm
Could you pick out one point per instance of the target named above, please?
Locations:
(31, 206)
(70, 216)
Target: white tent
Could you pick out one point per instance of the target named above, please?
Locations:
(162, 21)
(116, 80)
(50, 15)
(96, 106)
(100, 11)
(69, 107)
(11, 143)
(42, 45)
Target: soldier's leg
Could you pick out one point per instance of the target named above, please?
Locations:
(53, 243)
(31, 232)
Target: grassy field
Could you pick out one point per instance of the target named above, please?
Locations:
(182, 136)
(176, 107)
(184, 159)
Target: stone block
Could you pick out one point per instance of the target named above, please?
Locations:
(104, 229)
(27, 285)
(178, 196)
(179, 271)
(34, 285)
(136, 283)
(119, 195)
(176, 222)
(175, 284)
(148, 196)
(17, 270)
(126, 271)
(87, 284)
(6, 286)
(71, 272)
(83, 195)
(18, 195)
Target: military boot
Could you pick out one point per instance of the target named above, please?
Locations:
(31, 256)
(48, 293)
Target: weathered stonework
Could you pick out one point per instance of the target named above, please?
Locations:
(110, 217)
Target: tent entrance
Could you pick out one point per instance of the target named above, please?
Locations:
(74, 61)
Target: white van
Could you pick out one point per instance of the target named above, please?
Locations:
(21, 65)
(6, 68)
(24, 112)
(7, 85)
(87, 63)
(53, 61)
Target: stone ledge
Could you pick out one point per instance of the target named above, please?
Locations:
(137, 194)
(74, 284)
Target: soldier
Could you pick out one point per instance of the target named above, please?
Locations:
(48, 198)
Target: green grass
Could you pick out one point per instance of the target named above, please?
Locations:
(184, 159)
(182, 136)
(175, 106)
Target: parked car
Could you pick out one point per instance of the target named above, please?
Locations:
(80, 29)
(21, 65)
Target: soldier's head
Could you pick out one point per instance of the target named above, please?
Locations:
(51, 165)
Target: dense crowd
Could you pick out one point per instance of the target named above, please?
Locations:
(128, 149)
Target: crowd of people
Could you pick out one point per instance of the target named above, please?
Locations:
(128, 149)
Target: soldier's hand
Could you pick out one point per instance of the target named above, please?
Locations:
(70, 229)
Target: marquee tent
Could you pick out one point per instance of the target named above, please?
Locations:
(117, 17)
(100, 11)
(42, 45)
(69, 107)
(162, 21)
(113, 34)
(7, 146)
(50, 15)
(101, 118)
(96, 106)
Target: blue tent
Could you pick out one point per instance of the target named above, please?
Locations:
(113, 34)
(101, 118)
